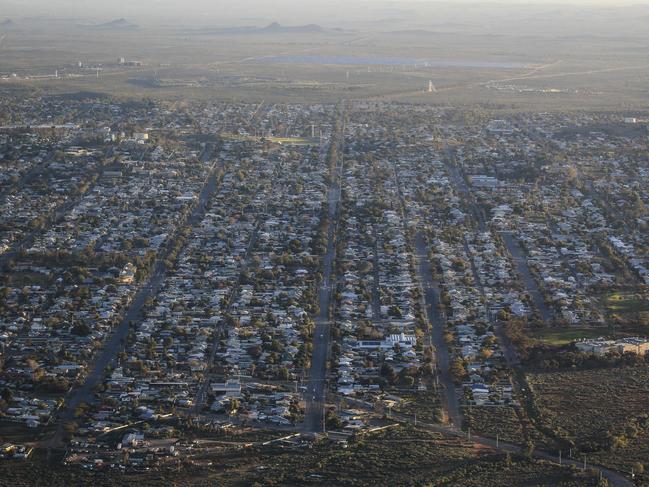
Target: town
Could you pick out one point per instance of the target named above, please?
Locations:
(175, 277)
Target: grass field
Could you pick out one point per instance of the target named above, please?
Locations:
(294, 140)
(627, 303)
(629, 310)
(276, 140)
(565, 336)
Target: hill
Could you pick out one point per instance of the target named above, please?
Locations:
(118, 24)
(7, 24)
(273, 28)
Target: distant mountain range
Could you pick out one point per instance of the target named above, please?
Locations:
(119, 24)
(273, 28)
(7, 24)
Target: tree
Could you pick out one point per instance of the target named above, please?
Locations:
(388, 372)
(81, 329)
(332, 421)
(448, 337)
(528, 449)
(485, 353)
(7, 395)
(234, 406)
(458, 371)
(283, 373)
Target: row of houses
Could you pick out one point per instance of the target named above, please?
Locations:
(378, 308)
(78, 276)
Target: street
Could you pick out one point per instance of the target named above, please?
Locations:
(115, 342)
(315, 394)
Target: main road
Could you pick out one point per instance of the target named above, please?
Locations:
(436, 320)
(315, 394)
(438, 327)
(115, 342)
(522, 266)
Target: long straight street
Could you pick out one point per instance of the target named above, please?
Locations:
(315, 394)
(115, 342)
(438, 328)
(529, 281)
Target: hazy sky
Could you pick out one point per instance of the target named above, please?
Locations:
(226, 11)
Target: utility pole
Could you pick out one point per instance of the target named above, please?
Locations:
(559, 457)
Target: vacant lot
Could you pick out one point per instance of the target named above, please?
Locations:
(493, 422)
(408, 457)
(604, 411)
(587, 404)
(400, 456)
(426, 405)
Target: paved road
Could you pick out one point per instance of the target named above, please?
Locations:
(512, 245)
(518, 381)
(376, 285)
(529, 281)
(52, 218)
(437, 322)
(115, 342)
(431, 290)
(260, 217)
(201, 395)
(462, 187)
(33, 173)
(315, 394)
(510, 354)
